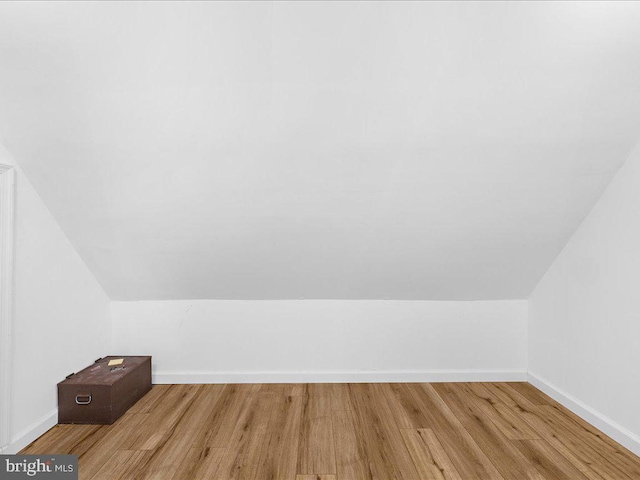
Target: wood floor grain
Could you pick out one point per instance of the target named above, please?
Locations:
(443, 431)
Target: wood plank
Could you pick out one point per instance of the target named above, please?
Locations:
(382, 439)
(429, 457)
(589, 461)
(204, 455)
(161, 419)
(319, 389)
(315, 477)
(339, 393)
(617, 455)
(122, 464)
(351, 456)
(216, 429)
(508, 395)
(438, 453)
(316, 447)
(222, 420)
(66, 439)
(392, 432)
(511, 426)
(371, 435)
(199, 463)
(177, 442)
(244, 449)
(94, 458)
(469, 460)
(501, 452)
(405, 412)
(279, 457)
(531, 393)
(548, 461)
(590, 431)
(481, 391)
(284, 389)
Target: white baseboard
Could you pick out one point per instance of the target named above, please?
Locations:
(348, 376)
(595, 418)
(32, 432)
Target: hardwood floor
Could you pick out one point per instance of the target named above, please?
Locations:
(445, 431)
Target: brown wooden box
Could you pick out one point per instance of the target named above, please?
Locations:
(101, 394)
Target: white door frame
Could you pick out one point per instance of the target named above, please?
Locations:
(7, 233)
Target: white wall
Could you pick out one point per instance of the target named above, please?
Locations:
(61, 313)
(584, 315)
(324, 340)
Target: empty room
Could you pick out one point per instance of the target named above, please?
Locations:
(320, 240)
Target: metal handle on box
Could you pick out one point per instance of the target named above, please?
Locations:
(83, 399)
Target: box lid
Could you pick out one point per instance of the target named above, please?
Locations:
(100, 373)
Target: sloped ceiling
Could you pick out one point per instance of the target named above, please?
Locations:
(319, 150)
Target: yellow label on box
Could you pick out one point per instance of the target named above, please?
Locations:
(115, 361)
